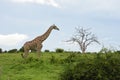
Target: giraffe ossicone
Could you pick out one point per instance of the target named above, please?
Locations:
(37, 42)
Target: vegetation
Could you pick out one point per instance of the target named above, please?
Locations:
(0, 50)
(59, 50)
(21, 49)
(46, 50)
(12, 51)
(101, 67)
(64, 66)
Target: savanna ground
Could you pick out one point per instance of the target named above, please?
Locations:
(50, 66)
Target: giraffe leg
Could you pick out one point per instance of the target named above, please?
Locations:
(39, 50)
(25, 54)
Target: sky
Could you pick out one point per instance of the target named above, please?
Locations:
(23, 20)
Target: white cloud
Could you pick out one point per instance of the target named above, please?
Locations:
(42, 2)
(12, 39)
(92, 5)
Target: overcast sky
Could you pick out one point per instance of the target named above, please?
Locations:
(23, 20)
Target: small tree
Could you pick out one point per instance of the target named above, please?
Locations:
(1, 50)
(59, 50)
(47, 50)
(5, 51)
(84, 38)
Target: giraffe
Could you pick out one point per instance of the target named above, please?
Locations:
(37, 42)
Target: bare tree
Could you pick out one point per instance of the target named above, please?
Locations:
(84, 38)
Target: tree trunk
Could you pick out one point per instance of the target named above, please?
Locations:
(83, 50)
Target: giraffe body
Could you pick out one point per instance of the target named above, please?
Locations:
(37, 42)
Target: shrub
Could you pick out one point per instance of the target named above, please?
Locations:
(12, 51)
(59, 50)
(5, 51)
(47, 50)
(30, 60)
(70, 58)
(117, 51)
(21, 49)
(0, 50)
(53, 60)
(100, 68)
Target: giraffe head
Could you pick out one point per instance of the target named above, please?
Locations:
(55, 27)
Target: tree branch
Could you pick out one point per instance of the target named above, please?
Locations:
(84, 38)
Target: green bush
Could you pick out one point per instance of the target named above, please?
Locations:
(12, 51)
(21, 49)
(53, 60)
(1, 50)
(70, 58)
(59, 50)
(47, 50)
(102, 67)
(5, 51)
(118, 52)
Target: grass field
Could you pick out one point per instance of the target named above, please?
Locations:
(48, 67)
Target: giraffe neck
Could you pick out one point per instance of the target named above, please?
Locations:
(46, 34)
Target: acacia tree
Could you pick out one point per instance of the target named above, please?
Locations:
(83, 38)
